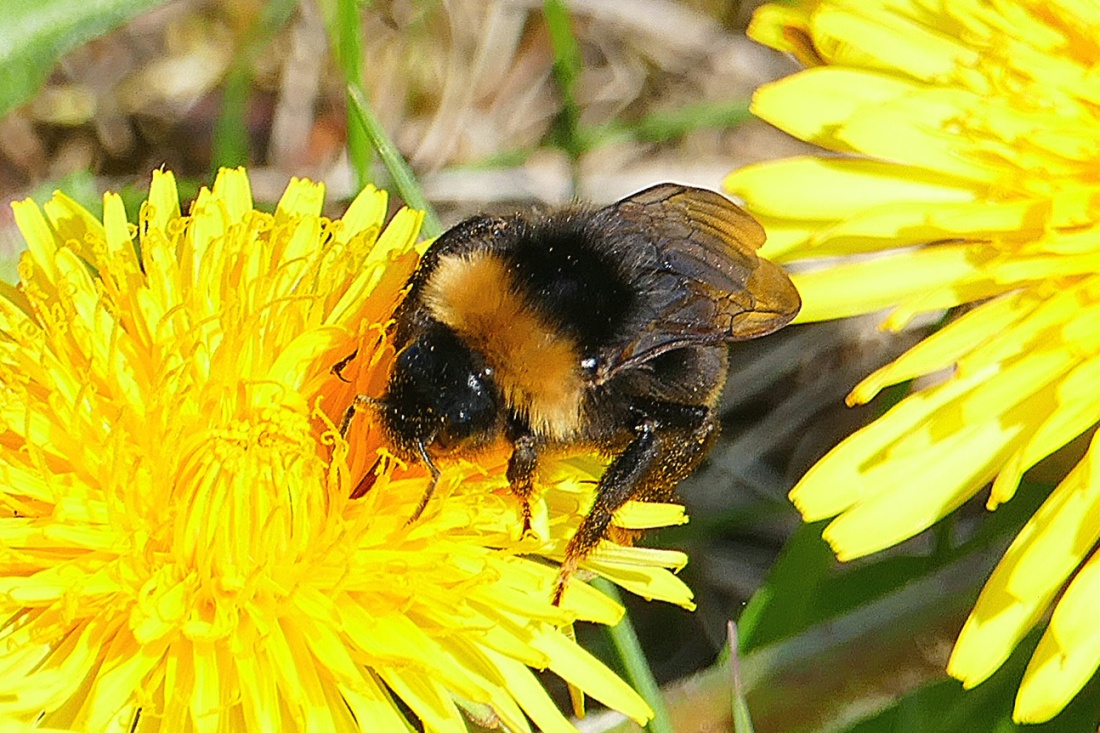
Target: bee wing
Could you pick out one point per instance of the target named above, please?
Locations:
(698, 266)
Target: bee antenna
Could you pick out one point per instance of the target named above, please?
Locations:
(422, 449)
(360, 401)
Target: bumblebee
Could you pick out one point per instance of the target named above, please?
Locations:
(578, 330)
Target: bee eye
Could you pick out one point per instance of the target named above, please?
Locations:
(468, 413)
(588, 365)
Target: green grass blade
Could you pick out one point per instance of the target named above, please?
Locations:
(348, 42)
(742, 722)
(567, 69)
(230, 145)
(399, 170)
(663, 125)
(34, 34)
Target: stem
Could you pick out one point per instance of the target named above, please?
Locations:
(633, 658)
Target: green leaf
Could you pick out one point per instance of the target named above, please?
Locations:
(787, 603)
(943, 706)
(807, 586)
(840, 643)
(34, 34)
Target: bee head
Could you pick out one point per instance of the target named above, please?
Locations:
(441, 396)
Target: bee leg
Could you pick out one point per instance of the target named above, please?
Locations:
(521, 472)
(360, 401)
(430, 465)
(367, 482)
(618, 484)
(669, 441)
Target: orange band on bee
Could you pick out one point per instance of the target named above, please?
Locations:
(536, 367)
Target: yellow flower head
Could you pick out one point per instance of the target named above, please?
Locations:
(970, 134)
(179, 545)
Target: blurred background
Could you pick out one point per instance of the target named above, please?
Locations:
(506, 104)
(466, 88)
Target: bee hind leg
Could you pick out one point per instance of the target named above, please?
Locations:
(669, 441)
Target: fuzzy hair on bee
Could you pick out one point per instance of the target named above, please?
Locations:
(580, 329)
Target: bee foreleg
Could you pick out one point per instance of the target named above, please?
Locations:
(521, 472)
(664, 450)
(426, 459)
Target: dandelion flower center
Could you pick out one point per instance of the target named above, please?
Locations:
(179, 548)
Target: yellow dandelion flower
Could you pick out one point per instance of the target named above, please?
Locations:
(179, 545)
(969, 136)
